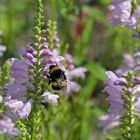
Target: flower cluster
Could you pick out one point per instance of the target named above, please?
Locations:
(18, 99)
(8, 127)
(124, 13)
(122, 90)
(7, 123)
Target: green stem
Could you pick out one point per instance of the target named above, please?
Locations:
(62, 132)
(128, 118)
(35, 116)
(131, 115)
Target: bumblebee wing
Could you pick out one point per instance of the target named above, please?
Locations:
(62, 84)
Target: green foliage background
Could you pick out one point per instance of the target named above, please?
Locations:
(100, 47)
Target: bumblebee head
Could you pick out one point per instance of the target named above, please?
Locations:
(56, 74)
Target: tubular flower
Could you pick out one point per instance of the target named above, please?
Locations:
(130, 63)
(109, 121)
(25, 110)
(115, 93)
(48, 97)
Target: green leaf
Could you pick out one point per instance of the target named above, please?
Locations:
(96, 14)
(96, 70)
(2, 137)
(87, 90)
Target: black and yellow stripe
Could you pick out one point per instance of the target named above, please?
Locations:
(54, 69)
(55, 86)
(57, 78)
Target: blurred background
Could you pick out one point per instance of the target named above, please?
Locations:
(94, 43)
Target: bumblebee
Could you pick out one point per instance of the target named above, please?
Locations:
(57, 78)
